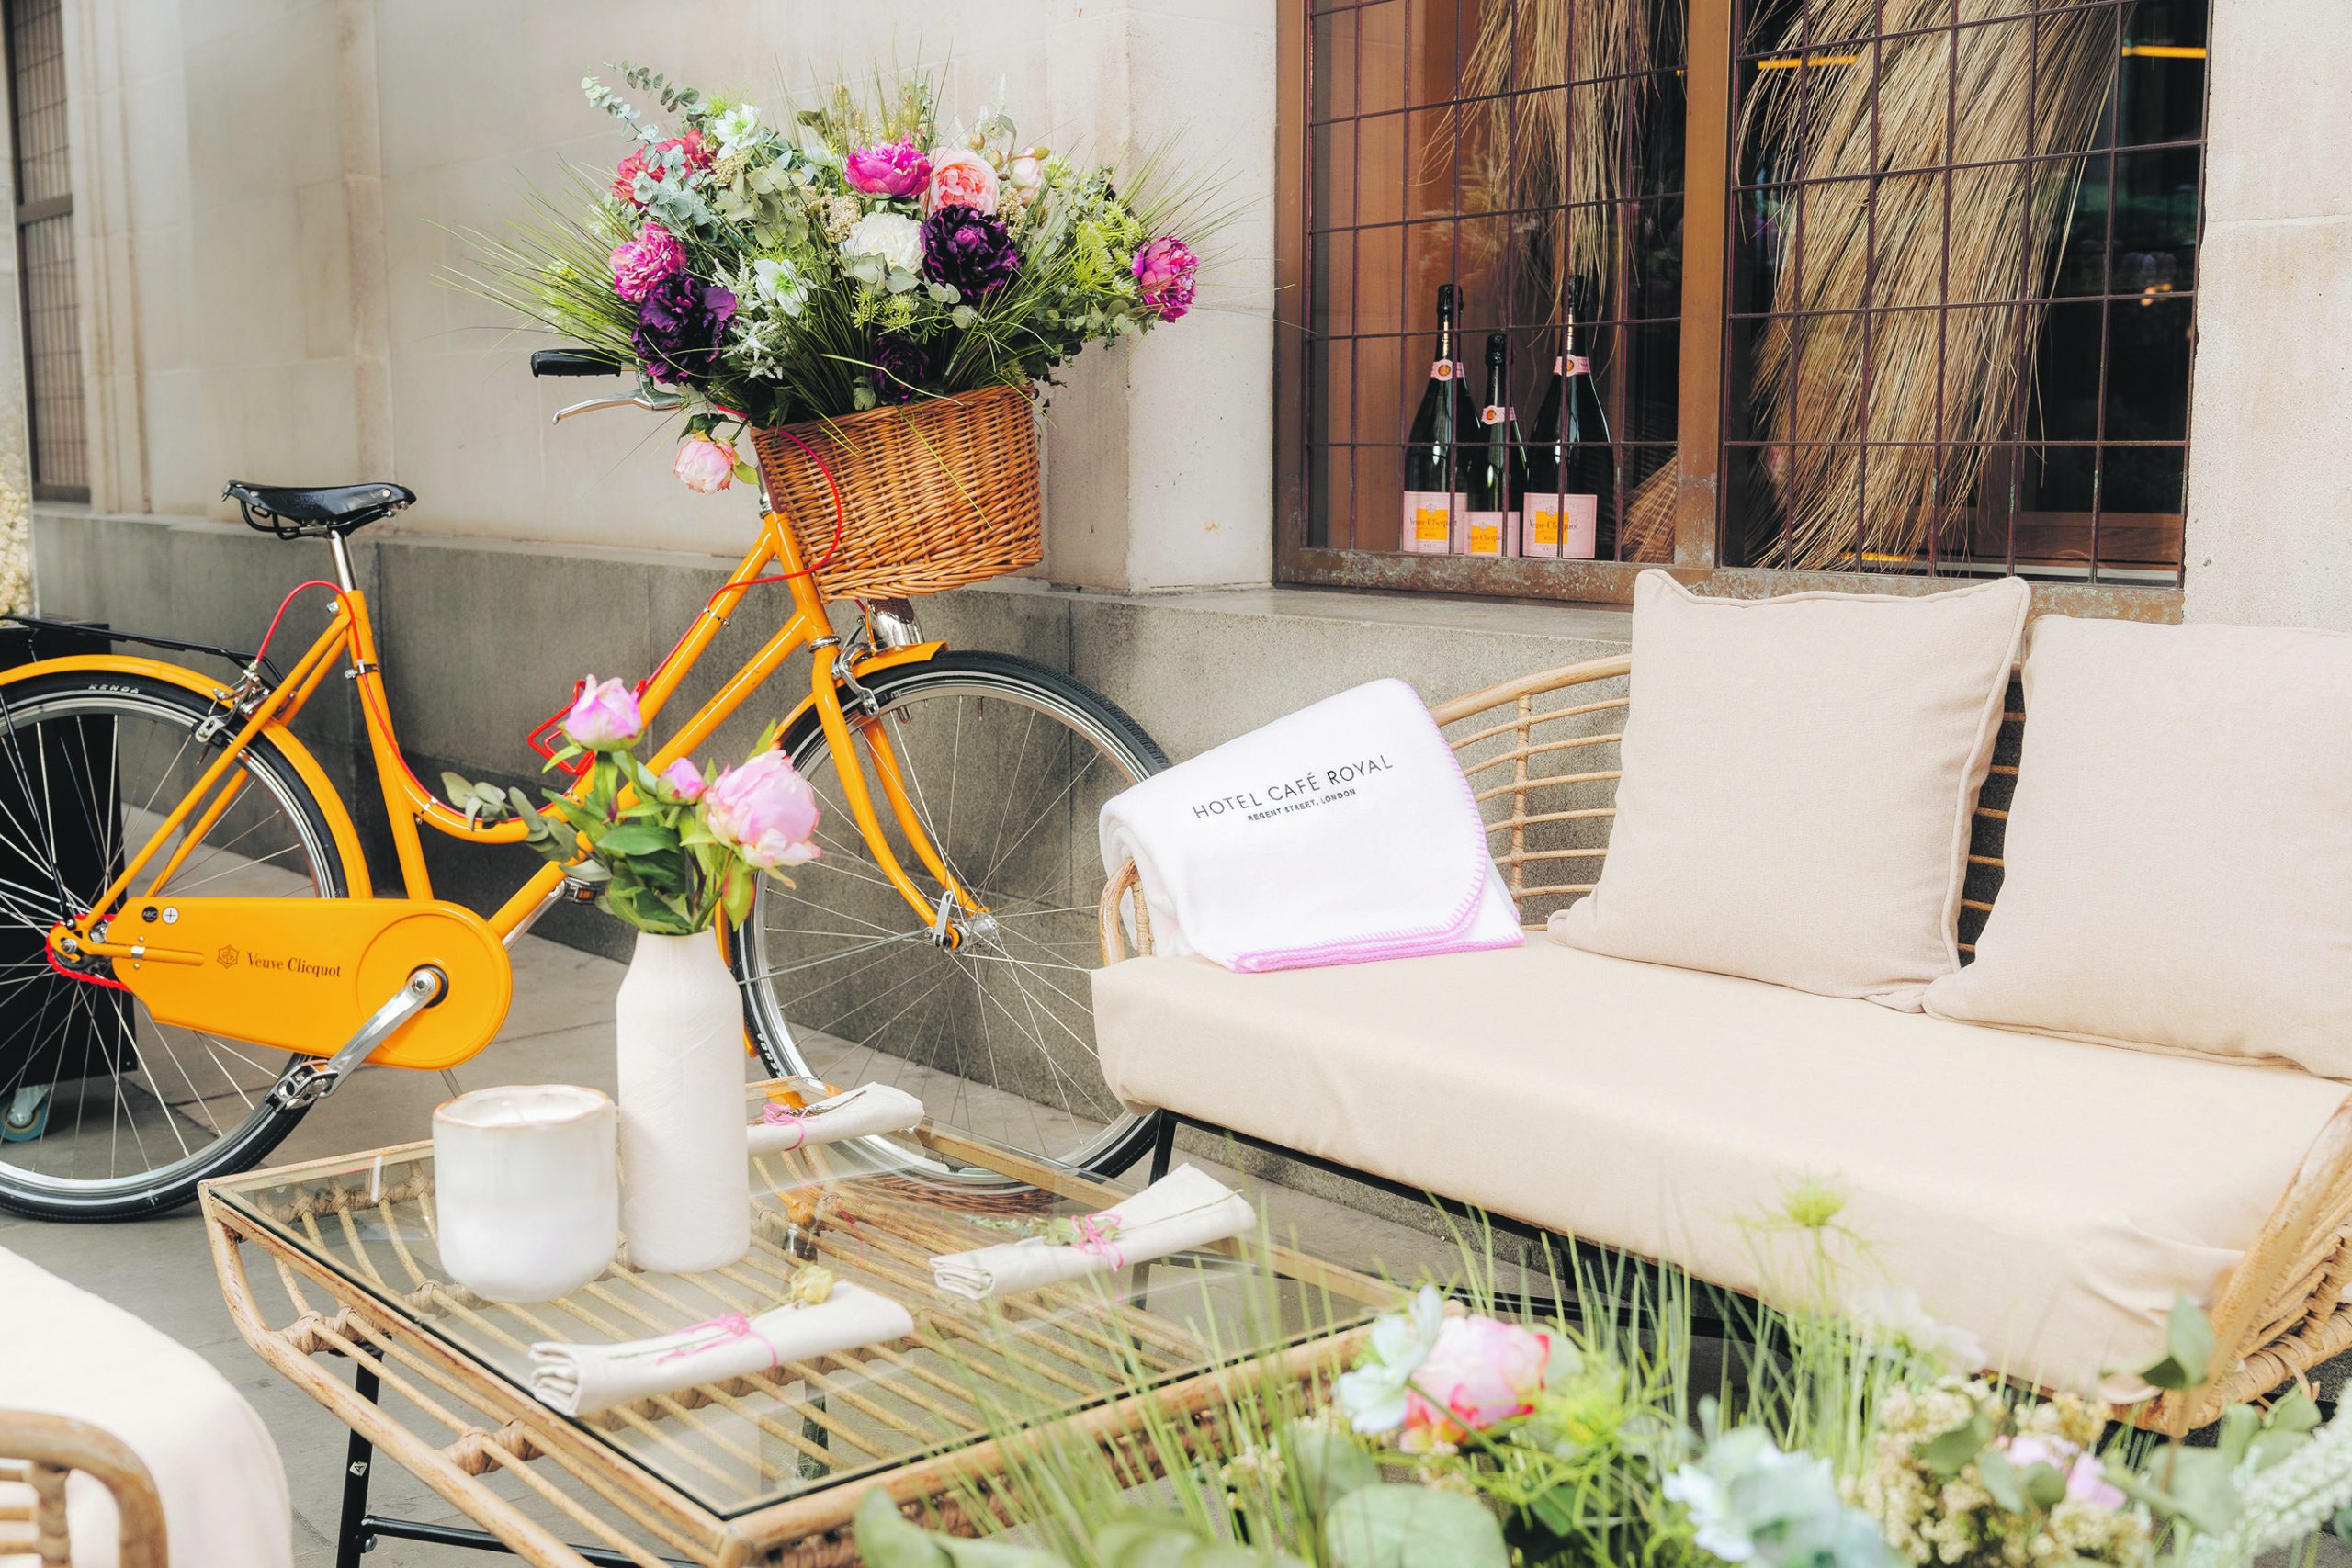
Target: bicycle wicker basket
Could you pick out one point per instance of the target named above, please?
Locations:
(938, 493)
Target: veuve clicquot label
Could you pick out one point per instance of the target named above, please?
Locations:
(1433, 496)
(1489, 524)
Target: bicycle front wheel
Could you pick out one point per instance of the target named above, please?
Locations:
(1006, 764)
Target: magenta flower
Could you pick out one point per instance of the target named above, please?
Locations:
(686, 780)
(604, 716)
(705, 464)
(1165, 271)
(1479, 1372)
(766, 810)
(645, 261)
(888, 168)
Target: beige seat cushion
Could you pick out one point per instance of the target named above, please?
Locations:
(2048, 1194)
(2179, 847)
(1799, 776)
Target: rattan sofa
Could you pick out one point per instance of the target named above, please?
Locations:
(1208, 1047)
(38, 1453)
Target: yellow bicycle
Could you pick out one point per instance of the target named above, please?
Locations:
(195, 951)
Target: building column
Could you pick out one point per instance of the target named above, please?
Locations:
(2270, 487)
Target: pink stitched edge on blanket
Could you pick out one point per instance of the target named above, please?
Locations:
(1422, 941)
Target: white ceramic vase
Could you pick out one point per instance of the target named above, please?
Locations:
(685, 1181)
(527, 1206)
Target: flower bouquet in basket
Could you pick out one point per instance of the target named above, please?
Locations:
(861, 285)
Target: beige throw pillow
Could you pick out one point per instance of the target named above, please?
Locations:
(1799, 775)
(2179, 862)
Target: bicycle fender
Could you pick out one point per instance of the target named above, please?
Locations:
(323, 790)
(919, 653)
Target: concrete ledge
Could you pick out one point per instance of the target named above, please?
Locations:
(481, 638)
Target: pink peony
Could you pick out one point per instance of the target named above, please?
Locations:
(686, 780)
(766, 810)
(705, 464)
(960, 177)
(1479, 1372)
(645, 261)
(692, 147)
(1165, 270)
(604, 716)
(2085, 1474)
(888, 168)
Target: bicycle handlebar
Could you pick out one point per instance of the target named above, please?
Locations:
(573, 362)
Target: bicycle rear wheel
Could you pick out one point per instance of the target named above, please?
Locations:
(104, 1113)
(1008, 765)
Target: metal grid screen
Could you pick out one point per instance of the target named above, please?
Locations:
(1518, 149)
(60, 465)
(1963, 285)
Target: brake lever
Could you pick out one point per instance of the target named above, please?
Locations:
(636, 399)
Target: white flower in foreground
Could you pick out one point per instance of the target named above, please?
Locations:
(1372, 1396)
(1893, 1314)
(894, 237)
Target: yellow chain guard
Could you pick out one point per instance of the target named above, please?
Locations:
(304, 973)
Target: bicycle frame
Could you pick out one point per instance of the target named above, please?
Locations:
(349, 641)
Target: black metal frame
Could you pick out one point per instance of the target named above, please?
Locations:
(357, 1530)
(173, 644)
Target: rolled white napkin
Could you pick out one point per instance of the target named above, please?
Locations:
(857, 1112)
(580, 1380)
(1186, 1207)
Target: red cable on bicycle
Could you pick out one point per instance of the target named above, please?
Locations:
(289, 600)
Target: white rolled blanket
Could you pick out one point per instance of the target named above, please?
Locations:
(859, 1113)
(580, 1380)
(1184, 1209)
(1342, 833)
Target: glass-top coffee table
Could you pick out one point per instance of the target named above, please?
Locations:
(770, 1468)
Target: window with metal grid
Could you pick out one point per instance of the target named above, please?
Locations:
(1903, 287)
(35, 57)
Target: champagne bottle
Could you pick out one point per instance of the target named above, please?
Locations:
(1572, 467)
(1496, 477)
(1441, 420)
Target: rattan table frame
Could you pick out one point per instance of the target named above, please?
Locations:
(633, 1516)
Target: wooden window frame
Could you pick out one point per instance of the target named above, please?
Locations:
(27, 213)
(1699, 521)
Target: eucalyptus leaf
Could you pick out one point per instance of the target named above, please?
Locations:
(901, 281)
(2240, 1425)
(2045, 1485)
(1412, 1527)
(2000, 1478)
(1947, 1453)
(942, 293)
(1327, 1465)
(2189, 1349)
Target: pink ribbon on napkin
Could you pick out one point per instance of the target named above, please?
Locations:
(1097, 1235)
(793, 1116)
(730, 1326)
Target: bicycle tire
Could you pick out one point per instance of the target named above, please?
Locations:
(1127, 1139)
(269, 1123)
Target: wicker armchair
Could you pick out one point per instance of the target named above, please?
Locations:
(1540, 752)
(37, 1451)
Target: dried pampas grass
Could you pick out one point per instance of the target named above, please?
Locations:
(1992, 233)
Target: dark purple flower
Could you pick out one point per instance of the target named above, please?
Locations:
(902, 367)
(968, 250)
(679, 324)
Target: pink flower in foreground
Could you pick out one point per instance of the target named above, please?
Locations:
(960, 177)
(887, 168)
(1165, 271)
(766, 810)
(645, 261)
(2085, 1474)
(706, 465)
(694, 155)
(684, 779)
(1025, 172)
(1479, 1372)
(604, 716)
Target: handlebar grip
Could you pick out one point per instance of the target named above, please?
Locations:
(573, 362)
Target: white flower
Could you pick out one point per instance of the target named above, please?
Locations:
(894, 237)
(1708, 1502)
(781, 284)
(1893, 1314)
(1372, 1396)
(736, 127)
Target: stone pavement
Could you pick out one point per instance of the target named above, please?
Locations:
(559, 1031)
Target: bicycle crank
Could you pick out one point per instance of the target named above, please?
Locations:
(314, 975)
